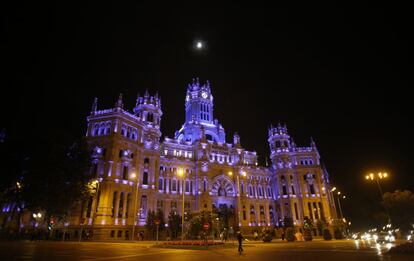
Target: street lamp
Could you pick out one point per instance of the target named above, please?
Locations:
(244, 174)
(377, 177)
(339, 202)
(134, 176)
(180, 173)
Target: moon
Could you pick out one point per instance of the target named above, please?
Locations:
(199, 45)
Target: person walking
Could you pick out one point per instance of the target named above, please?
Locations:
(240, 240)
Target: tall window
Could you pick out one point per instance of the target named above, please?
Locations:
(174, 185)
(145, 178)
(121, 205)
(312, 188)
(187, 186)
(125, 172)
(150, 117)
(205, 185)
(95, 168)
(310, 210)
(128, 205)
(114, 203)
(284, 190)
(293, 190)
(315, 208)
(321, 209)
(160, 184)
(296, 211)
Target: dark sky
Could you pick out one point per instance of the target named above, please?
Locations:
(339, 76)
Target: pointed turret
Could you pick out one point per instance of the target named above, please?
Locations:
(119, 103)
(94, 106)
(312, 143)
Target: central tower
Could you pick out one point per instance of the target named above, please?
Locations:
(199, 113)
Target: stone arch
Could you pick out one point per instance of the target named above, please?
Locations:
(223, 186)
(212, 134)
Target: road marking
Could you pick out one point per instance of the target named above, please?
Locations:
(128, 256)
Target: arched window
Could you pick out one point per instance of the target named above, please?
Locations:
(205, 185)
(150, 117)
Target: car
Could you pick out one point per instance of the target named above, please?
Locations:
(385, 237)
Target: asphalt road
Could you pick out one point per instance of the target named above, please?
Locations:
(96, 251)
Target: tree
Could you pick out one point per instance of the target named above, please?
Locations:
(151, 226)
(290, 234)
(327, 234)
(321, 225)
(58, 175)
(287, 222)
(174, 224)
(401, 208)
(196, 224)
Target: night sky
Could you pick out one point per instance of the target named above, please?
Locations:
(339, 76)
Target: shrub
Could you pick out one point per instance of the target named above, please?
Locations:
(338, 234)
(267, 236)
(307, 227)
(307, 235)
(290, 235)
(327, 234)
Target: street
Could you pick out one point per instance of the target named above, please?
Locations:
(316, 250)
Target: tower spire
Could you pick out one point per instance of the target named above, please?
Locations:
(94, 105)
(119, 103)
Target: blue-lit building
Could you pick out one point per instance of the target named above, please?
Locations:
(139, 172)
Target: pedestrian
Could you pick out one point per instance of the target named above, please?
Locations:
(255, 235)
(283, 236)
(240, 240)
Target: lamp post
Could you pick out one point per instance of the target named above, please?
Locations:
(180, 173)
(333, 198)
(243, 173)
(134, 176)
(377, 177)
(37, 217)
(339, 203)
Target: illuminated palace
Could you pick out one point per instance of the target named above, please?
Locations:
(138, 172)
